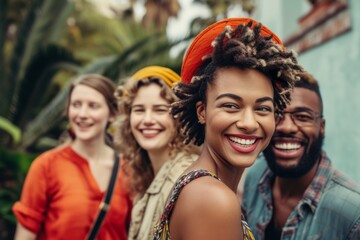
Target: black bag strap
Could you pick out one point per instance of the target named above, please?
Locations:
(105, 203)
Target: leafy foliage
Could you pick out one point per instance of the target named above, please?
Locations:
(13, 169)
(34, 60)
(11, 129)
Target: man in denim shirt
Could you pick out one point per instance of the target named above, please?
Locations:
(295, 193)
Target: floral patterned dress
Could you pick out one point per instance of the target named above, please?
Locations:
(162, 232)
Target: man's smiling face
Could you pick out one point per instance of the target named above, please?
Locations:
(297, 142)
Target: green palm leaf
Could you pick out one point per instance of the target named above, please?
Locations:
(11, 129)
(38, 77)
(42, 25)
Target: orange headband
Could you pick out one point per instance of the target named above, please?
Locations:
(201, 45)
(166, 74)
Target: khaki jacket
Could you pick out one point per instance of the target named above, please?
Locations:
(148, 208)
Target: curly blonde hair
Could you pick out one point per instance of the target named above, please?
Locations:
(137, 159)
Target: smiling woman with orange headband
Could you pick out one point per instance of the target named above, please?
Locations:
(152, 144)
(235, 75)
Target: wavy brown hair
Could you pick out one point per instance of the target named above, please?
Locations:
(243, 48)
(136, 157)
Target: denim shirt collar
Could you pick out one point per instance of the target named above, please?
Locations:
(315, 190)
(312, 194)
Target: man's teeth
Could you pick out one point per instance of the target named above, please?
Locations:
(242, 141)
(287, 146)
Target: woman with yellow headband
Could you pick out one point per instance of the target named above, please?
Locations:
(152, 144)
(235, 75)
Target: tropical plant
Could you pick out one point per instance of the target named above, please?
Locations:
(158, 13)
(13, 169)
(11, 129)
(27, 72)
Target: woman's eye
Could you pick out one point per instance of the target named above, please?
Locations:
(230, 106)
(94, 105)
(264, 109)
(75, 104)
(138, 110)
(162, 109)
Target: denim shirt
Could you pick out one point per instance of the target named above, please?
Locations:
(329, 208)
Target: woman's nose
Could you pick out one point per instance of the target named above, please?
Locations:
(83, 111)
(247, 121)
(148, 117)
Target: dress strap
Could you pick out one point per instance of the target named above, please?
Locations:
(162, 227)
(181, 183)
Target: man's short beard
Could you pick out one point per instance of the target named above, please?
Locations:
(307, 161)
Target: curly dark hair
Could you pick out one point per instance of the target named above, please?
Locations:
(137, 159)
(244, 48)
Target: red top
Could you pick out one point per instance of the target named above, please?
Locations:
(60, 199)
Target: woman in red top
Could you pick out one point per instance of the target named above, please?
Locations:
(64, 186)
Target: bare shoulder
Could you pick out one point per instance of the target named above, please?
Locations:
(206, 209)
(208, 190)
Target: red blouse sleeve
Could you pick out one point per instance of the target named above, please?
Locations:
(30, 210)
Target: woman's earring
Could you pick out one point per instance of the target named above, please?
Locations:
(71, 133)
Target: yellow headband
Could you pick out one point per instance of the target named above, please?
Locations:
(166, 74)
